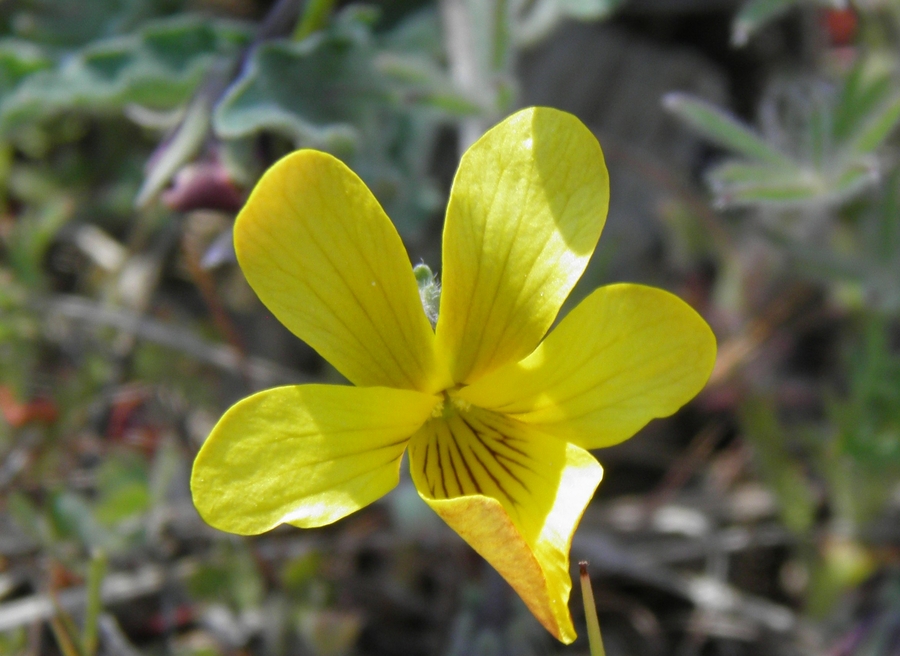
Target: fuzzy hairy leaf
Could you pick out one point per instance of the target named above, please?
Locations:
(158, 66)
(722, 128)
(311, 91)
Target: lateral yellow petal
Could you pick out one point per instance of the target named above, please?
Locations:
(526, 209)
(306, 455)
(627, 354)
(323, 256)
(515, 495)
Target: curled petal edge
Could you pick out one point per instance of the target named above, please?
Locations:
(539, 573)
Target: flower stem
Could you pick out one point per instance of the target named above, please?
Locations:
(590, 612)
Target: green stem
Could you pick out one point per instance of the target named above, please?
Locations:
(96, 572)
(590, 612)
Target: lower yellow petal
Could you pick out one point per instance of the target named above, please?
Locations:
(307, 455)
(515, 495)
(627, 354)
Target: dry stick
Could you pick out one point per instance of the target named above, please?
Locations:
(739, 349)
(116, 587)
(77, 308)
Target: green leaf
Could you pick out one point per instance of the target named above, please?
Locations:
(375, 101)
(168, 464)
(734, 172)
(74, 517)
(740, 184)
(96, 572)
(863, 90)
(755, 14)
(418, 80)
(314, 16)
(71, 24)
(723, 129)
(418, 35)
(159, 66)
(18, 60)
(30, 519)
(875, 128)
(312, 91)
(588, 9)
(853, 180)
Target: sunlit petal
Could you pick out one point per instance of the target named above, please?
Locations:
(323, 256)
(526, 210)
(305, 455)
(515, 495)
(627, 354)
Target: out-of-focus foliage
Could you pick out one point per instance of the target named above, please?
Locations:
(536, 20)
(756, 13)
(819, 144)
(816, 184)
(158, 67)
(320, 91)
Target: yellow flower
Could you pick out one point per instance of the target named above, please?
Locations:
(497, 423)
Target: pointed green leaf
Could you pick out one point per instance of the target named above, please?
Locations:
(863, 90)
(754, 14)
(740, 184)
(589, 9)
(722, 128)
(876, 127)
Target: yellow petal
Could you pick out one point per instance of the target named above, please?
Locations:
(515, 495)
(526, 210)
(323, 256)
(627, 354)
(305, 455)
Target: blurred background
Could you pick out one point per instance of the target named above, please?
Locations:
(755, 173)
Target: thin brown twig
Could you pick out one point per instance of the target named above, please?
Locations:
(699, 449)
(207, 288)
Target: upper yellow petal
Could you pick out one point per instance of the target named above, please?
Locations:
(625, 355)
(515, 495)
(527, 206)
(323, 256)
(305, 455)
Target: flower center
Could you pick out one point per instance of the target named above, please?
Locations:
(450, 405)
